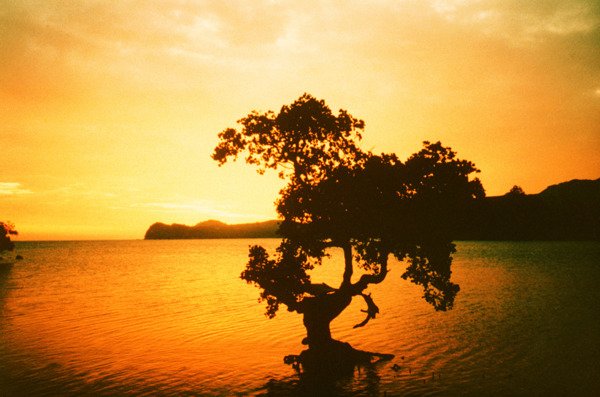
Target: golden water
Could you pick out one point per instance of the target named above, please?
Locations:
(174, 318)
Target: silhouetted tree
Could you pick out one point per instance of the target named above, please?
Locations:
(370, 206)
(515, 191)
(6, 230)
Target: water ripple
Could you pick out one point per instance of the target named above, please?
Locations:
(152, 318)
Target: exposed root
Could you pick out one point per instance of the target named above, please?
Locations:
(334, 358)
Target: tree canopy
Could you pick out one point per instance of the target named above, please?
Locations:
(515, 191)
(371, 206)
(6, 230)
(304, 140)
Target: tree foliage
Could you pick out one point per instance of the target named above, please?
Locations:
(371, 206)
(6, 230)
(304, 140)
(515, 191)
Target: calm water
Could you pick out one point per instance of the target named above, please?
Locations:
(172, 318)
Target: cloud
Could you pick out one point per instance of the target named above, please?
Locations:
(115, 49)
(11, 188)
(204, 207)
(520, 22)
(54, 49)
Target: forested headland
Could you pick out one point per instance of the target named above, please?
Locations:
(567, 211)
(212, 229)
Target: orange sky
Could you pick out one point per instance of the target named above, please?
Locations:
(110, 110)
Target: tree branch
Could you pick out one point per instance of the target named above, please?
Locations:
(318, 289)
(372, 310)
(348, 268)
(367, 279)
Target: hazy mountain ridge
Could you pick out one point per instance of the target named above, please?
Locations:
(566, 211)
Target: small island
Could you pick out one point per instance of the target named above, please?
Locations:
(212, 230)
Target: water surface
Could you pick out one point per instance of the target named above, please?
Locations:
(173, 318)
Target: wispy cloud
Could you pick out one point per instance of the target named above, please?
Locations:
(201, 207)
(11, 188)
(47, 46)
(71, 191)
(522, 22)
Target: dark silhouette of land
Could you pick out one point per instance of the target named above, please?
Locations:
(213, 229)
(566, 211)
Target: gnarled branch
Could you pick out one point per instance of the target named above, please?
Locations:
(372, 310)
(367, 279)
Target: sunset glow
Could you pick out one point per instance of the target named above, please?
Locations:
(110, 110)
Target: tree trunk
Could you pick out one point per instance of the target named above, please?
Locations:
(318, 313)
(326, 356)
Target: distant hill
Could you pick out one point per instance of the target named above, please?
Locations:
(576, 190)
(567, 211)
(212, 229)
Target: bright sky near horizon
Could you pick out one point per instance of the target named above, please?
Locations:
(110, 109)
